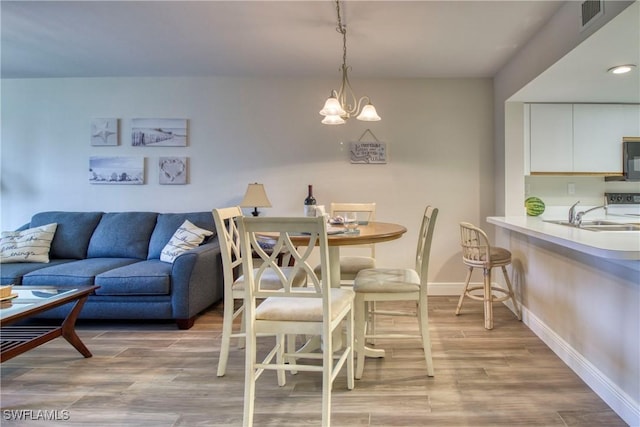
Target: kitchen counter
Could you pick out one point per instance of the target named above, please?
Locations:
(612, 245)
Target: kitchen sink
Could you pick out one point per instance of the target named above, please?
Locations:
(611, 227)
(598, 225)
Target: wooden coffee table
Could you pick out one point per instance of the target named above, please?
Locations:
(32, 300)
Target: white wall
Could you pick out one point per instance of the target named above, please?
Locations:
(439, 135)
(585, 308)
(554, 40)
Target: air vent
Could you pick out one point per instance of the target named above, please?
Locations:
(591, 11)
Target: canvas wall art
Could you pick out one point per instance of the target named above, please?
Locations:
(116, 170)
(172, 170)
(159, 132)
(104, 132)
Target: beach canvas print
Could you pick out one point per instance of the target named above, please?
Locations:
(104, 132)
(172, 170)
(116, 170)
(159, 132)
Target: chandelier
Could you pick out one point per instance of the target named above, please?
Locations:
(344, 104)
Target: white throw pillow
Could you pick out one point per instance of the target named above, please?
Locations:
(31, 245)
(186, 237)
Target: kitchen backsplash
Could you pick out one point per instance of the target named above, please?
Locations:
(554, 190)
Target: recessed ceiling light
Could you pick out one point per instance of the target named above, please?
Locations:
(621, 69)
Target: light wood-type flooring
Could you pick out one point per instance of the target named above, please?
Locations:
(152, 374)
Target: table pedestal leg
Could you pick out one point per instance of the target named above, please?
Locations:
(334, 266)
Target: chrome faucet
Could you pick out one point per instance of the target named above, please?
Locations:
(579, 215)
(572, 213)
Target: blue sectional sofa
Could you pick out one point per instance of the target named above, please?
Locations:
(120, 252)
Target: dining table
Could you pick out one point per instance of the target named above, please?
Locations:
(339, 235)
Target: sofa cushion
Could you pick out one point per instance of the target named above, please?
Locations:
(13, 272)
(151, 277)
(122, 235)
(168, 223)
(30, 245)
(73, 233)
(186, 237)
(75, 273)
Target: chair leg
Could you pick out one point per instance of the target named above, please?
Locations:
(249, 381)
(360, 330)
(423, 318)
(291, 349)
(350, 343)
(241, 340)
(327, 375)
(488, 300)
(464, 291)
(280, 343)
(511, 293)
(371, 308)
(227, 328)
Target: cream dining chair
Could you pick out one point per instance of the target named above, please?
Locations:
(477, 252)
(234, 282)
(319, 309)
(350, 265)
(396, 284)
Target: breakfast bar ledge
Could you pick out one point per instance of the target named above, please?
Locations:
(614, 246)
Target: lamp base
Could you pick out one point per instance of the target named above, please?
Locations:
(255, 212)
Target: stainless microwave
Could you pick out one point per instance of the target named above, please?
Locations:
(631, 158)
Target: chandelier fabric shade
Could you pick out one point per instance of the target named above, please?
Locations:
(343, 104)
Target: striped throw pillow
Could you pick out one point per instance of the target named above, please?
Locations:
(186, 237)
(31, 245)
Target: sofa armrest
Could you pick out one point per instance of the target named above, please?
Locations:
(196, 280)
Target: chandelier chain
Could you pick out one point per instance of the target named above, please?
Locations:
(342, 29)
(343, 103)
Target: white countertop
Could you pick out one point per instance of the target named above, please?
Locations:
(613, 245)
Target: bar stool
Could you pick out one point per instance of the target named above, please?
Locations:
(477, 252)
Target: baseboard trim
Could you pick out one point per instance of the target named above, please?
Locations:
(613, 396)
(443, 289)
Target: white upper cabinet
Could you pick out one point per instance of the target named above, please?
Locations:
(551, 137)
(580, 138)
(597, 135)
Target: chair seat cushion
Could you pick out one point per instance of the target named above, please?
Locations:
(350, 266)
(271, 281)
(303, 309)
(499, 255)
(389, 280)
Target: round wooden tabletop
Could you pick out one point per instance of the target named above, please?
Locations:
(372, 232)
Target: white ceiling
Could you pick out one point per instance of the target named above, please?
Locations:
(386, 39)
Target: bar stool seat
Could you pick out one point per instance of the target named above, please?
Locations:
(477, 252)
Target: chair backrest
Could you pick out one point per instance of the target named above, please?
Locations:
(424, 243)
(476, 249)
(229, 238)
(368, 213)
(279, 230)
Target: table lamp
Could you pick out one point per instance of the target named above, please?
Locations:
(255, 197)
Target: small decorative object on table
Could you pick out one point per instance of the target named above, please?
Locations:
(310, 203)
(5, 293)
(535, 206)
(351, 222)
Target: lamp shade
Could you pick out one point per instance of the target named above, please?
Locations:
(333, 120)
(332, 107)
(369, 114)
(255, 197)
